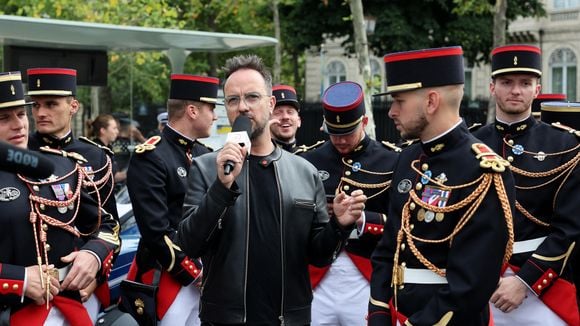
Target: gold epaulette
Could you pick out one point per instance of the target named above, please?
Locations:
(391, 146)
(571, 130)
(105, 148)
(408, 143)
(73, 155)
(489, 159)
(474, 126)
(304, 148)
(148, 145)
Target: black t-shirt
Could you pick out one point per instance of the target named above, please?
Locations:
(264, 290)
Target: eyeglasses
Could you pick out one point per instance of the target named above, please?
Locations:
(250, 99)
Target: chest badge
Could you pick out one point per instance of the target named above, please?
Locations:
(181, 172)
(541, 156)
(404, 186)
(518, 149)
(323, 175)
(9, 194)
(434, 196)
(62, 191)
(356, 166)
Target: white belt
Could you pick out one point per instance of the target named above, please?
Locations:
(527, 245)
(422, 276)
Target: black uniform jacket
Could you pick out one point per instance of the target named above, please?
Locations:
(369, 167)
(544, 161)
(97, 162)
(157, 181)
(18, 238)
(216, 226)
(447, 177)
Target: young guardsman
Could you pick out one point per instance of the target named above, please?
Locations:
(450, 220)
(350, 161)
(536, 285)
(157, 182)
(42, 268)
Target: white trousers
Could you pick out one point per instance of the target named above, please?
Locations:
(184, 310)
(531, 312)
(342, 297)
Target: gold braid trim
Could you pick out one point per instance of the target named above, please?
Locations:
(529, 216)
(562, 168)
(366, 171)
(385, 185)
(475, 199)
(505, 141)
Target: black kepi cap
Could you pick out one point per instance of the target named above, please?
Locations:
(286, 95)
(536, 103)
(519, 58)
(52, 81)
(194, 88)
(412, 70)
(566, 113)
(11, 91)
(343, 107)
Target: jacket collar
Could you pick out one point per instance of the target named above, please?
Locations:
(53, 142)
(284, 145)
(174, 136)
(274, 156)
(446, 142)
(517, 128)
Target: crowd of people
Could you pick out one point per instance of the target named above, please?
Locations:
(452, 226)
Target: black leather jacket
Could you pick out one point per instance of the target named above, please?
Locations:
(216, 224)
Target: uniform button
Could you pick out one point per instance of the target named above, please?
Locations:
(346, 188)
(401, 287)
(545, 282)
(35, 188)
(511, 141)
(418, 186)
(42, 207)
(403, 247)
(425, 167)
(412, 206)
(403, 264)
(15, 287)
(195, 271)
(382, 229)
(347, 173)
(45, 227)
(369, 228)
(510, 158)
(375, 228)
(539, 287)
(47, 247)
(412, 226)
(550, 275)
(5, 286)
(190, 266)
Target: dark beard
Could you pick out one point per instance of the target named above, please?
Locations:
(416, 129)
(257, 132)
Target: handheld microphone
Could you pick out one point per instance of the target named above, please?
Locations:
(240, 134)
(18, 160)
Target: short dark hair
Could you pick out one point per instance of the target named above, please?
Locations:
(249, 61)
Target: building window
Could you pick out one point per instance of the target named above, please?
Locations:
(566, 4)
(376, 79)
(335, 72)
(563, 68)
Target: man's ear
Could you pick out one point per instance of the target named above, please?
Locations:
(192, 111)
(433, 101)
(74, 106)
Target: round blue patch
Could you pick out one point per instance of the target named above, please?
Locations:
(518, 149)
(426, 176)
(356, 167)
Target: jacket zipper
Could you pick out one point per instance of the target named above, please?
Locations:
(218, 226)
(282, 251)
(247, 183)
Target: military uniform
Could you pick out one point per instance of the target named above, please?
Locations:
(367, 167)
(157, 183)
(45, 219)
(544, 162)
(449, 223)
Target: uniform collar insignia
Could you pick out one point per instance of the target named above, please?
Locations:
(177, 137)
(447, 141)
(515, 128)
(55, 142)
